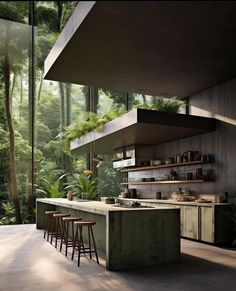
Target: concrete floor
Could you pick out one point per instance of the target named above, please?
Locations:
(28, 262)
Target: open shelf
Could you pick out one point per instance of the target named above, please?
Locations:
(135, 169)
(166, 182)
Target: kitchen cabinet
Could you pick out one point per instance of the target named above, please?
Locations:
(189, 221)
(206, 227)
(207, 223)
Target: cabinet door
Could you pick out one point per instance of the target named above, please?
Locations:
(190, 221)
(207, 224)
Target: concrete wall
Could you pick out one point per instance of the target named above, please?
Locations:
(218, 102)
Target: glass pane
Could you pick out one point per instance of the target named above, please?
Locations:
(57, 106)
(15, 112)
(169, 105)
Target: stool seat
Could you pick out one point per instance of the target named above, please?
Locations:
(70, 218)
(51, 212)
(61, 215)
(84, 223)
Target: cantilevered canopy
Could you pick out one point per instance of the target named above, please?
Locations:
(154, 47)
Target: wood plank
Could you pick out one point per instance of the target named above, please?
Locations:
(166, 182)
(135, 169)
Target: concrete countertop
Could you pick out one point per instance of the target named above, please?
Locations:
(172, 202)
(93, 206)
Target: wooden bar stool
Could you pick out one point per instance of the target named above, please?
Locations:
(66, 223)
(57, 226)
(48, 222)
(78, 242)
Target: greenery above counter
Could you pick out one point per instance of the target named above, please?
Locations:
(92, 121)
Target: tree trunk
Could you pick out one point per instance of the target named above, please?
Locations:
(21, 95)
(12, 162)
(94, 98)
(40, 87)
(66, 158)
(144, 99)
(31, 93)
(12, 87)
(68, 104)
(62, 104)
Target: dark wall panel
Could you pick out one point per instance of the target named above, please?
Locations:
(218, 102)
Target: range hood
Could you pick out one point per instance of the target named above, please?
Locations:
(144, 128)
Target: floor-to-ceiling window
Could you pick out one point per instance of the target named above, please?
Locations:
(15, 112)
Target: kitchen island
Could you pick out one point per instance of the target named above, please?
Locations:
(128, 237)
(208, 222)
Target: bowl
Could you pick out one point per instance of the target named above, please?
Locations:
(168, 161)
(156, 162)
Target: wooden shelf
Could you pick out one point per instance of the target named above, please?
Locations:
(135, 169)
(166, 182)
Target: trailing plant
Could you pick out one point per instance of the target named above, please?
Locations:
(92, 121)
(84, 186)
(9, 213)
(170, 106)
(52, 189)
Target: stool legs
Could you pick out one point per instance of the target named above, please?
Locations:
(54, 225)
(79, 242)
(65, 239)
(46, 227)
(48, 219)
(65, 233)
(74, 244)
(94, 245)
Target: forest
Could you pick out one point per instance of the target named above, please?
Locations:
(38, 118)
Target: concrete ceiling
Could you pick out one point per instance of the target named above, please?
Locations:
(169, 48)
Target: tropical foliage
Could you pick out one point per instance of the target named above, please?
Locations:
(91, 121)
(52, 189)
(84, 186)
(9, 213)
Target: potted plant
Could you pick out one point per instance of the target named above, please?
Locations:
(84, 186)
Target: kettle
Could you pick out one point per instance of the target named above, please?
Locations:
(188, 156)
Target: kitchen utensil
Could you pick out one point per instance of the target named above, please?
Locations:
(189, 176)
(187, 156)
(158, 195)
(196, 156)
(178, 159)
(132, 193)
(202, 200)
(199, 173)
(156, 162)
(110, 200)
